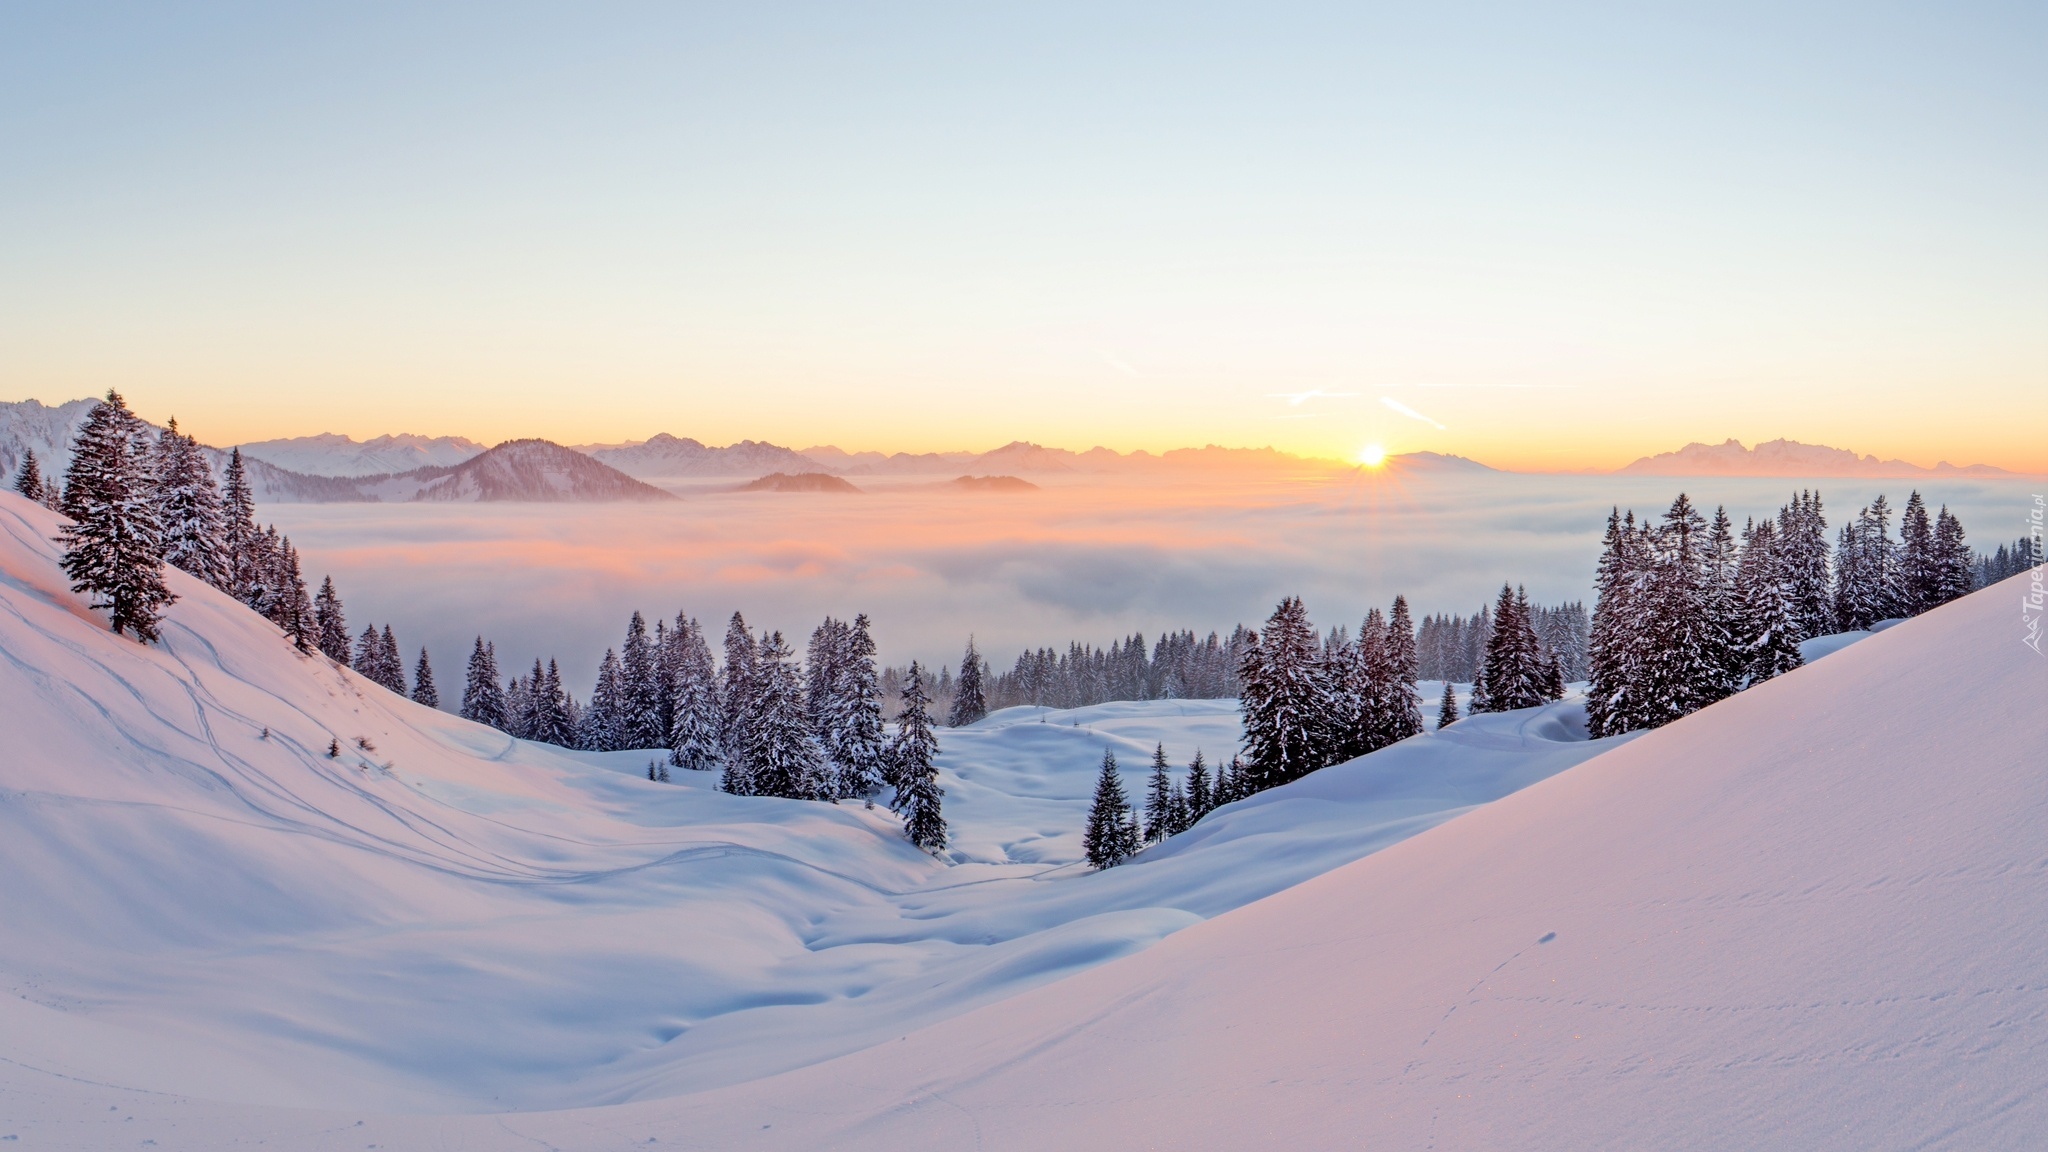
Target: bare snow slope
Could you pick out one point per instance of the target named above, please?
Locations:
(200, 903)
(1812, 916)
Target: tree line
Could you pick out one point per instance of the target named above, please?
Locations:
(1687, 613)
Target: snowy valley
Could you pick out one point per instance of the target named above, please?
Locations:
(251, 892)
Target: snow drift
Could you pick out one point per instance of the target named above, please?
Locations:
(1810, 916)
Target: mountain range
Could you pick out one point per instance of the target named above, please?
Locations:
(1788, 458)
(331, 468)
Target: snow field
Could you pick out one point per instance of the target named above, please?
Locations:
(442, 919)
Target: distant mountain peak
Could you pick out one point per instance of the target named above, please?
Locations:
(1788, 458)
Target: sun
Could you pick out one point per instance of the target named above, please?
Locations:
(1372, 455)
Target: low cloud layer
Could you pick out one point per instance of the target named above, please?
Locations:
(930, 566)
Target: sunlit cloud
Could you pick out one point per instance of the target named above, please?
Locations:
(1410, 413)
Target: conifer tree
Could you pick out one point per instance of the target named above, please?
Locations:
(330, 623)
(846, 707)
(915, 753)
(188, 505)
(483, 698)
(1201, 792)
(1404, 704)
(1515, 675)
(1447, 708)
(554, 719)
(293, 608)
(913, 759)
(1613, 697)
(28, 482)
(1108, 838)
(1179, 815)
(1226, 789)
(1768, 637)
(1725, 661)
(1919, 569)
(736, 721)
(1158, 799)
(113, 546)
(423, 691)
(369, 657)
(970, 702)
(1287, 700)
(604, 729)
(1802, 544)
(240, 539)
(639, 689)
(1682, 669)
(1951, 558)
(787, 759)
(693, 738)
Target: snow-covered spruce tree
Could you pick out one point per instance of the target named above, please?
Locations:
(1866, 569)
(1768, 631)
(330, 622)
(423, 690)
(113, 546)
(1919, 570)
(787, 759)
(846, 707)
(604, 728)
(188, 504)
(1404, 704)
(1515, 674)
(266, 556)
(1620, 589)
(1179, 814)
(913, 760)
(1159, 799)
(1683, 667)
(693, 739)
(1724, 652)
(483, 698)
(1951, 558)
(1286, 701)
(970, 702)
(640, 689)
(1201, 791)
(1802, 544)
(240, 539)
(294, 609)
(1108, 838)
(915, 755)
(554, 719)
(736, 712)
(28, 481)
(1225, 790)
(1447, 707)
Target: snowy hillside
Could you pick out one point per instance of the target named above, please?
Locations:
(438, 917)
(1805, 917)
(1788, 458)
(669, 457)
(534, 471)
(330, 454)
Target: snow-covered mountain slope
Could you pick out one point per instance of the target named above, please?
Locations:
(29, 424)
(331, 454)
(668, 457)
(201, 901)
(1788, 458)
(1811, 916)
(533, 471)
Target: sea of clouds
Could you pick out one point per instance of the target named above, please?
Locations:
(1090, 559)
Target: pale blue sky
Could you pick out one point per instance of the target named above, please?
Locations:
(1567, 235)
